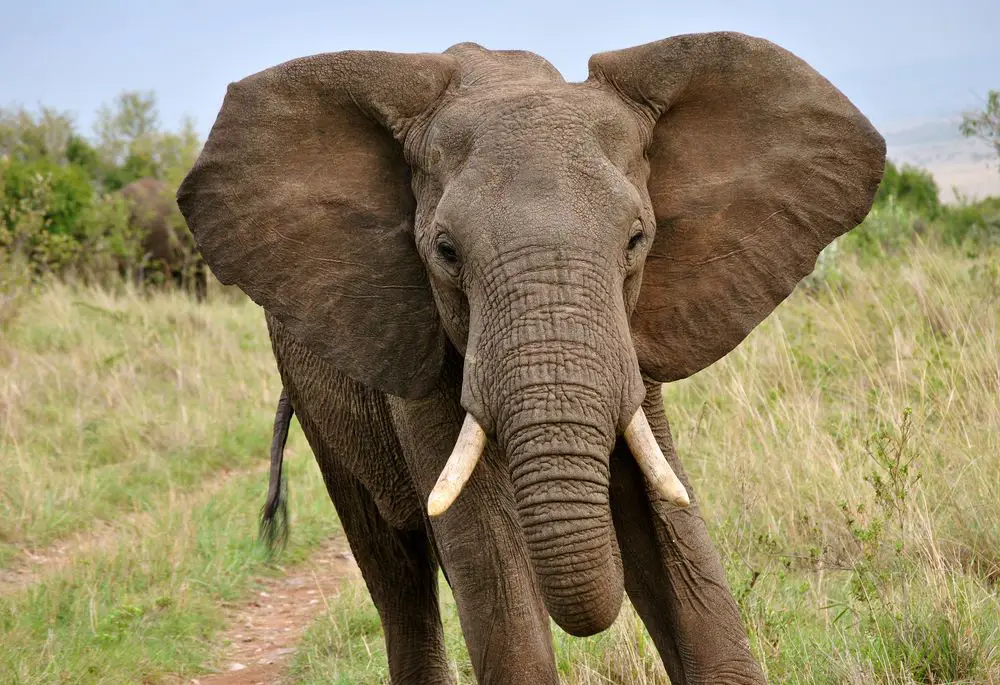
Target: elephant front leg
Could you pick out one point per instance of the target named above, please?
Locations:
(482, 551)
(400, 572)
(673, 574)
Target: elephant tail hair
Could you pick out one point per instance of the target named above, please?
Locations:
(274, 513)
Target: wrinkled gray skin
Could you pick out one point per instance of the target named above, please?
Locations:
(431, 235)
(153, 215)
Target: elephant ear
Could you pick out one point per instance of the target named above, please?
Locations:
(756, 163)
(302, 198)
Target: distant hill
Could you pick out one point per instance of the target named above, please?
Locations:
(968, 165)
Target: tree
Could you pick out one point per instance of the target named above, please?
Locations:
(30, 137)
(986, 123)
(132, 145)
(126, 124)
(59, 193)
(81, 153)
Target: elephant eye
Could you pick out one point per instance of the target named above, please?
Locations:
(446, 250)
(636, 239)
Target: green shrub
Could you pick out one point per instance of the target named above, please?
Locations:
(973, 225)
(907, 210)
(888, 229)
(911, 187)
(53, 220)
(62, 193)
(60, 207)
(135, 167)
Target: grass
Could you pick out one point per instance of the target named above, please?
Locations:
(148, 605)
(98, 434)
(110, 405)
(847, 457)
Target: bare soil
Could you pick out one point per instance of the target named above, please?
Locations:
(264, 631)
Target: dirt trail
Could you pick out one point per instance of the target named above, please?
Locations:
(32, 565)
(264, 631)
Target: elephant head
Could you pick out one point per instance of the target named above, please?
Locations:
(568, 239)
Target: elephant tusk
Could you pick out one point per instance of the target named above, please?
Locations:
(654, 465)
(468, 448)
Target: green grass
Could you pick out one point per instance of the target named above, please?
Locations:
(111, 404)
(346, 646)
(135, 434)
(847, 457)
(148, 605)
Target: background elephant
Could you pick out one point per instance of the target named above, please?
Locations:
(168, 249)
(463, 249)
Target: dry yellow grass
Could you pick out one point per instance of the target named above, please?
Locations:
(896, 362)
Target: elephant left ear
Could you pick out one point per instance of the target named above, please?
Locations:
(302, 198)
(756, 163)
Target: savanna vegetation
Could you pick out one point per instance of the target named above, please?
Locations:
(60, 210)
(847, 455)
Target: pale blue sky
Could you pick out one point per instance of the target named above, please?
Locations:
(898, 60)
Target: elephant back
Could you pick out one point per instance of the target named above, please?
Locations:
(154, 212)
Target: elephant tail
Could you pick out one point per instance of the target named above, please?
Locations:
(274, 514)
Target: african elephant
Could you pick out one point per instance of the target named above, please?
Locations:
(473, 269)
(167, 249)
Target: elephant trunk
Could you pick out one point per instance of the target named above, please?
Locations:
(560, 474)
(551, 370)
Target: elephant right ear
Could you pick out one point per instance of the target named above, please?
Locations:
(302, 198)
(756, 163)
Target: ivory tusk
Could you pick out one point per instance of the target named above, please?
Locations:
(468, 448)
(654, 465)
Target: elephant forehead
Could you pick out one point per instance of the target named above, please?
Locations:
(515, 106)
(514, 122)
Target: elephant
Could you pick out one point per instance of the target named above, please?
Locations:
(167, 248)
(476, 276)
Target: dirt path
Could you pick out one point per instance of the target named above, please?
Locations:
(264, 631)
(32, 565)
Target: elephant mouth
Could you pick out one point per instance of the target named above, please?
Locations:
(471, 442)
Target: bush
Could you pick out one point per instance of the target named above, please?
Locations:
(60, 192)
(911, 187)
(53, 221)
(61, 211)
(907, 210)
(973, 225)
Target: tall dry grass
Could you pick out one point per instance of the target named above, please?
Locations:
(848, 458)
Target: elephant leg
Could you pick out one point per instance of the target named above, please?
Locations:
(200, 282)
(673, 574)
(400, 572)
(482, 550)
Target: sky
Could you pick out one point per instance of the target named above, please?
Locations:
(900, 62)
